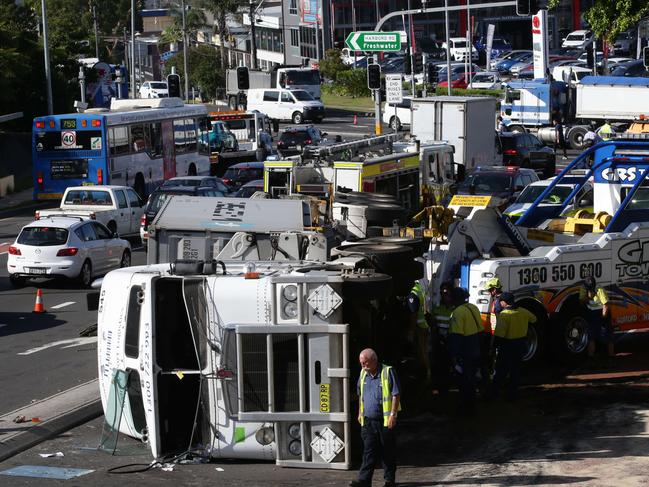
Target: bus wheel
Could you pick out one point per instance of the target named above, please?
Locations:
(192, 170)
(297, 118)
(139, 186)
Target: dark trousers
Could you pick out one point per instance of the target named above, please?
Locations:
(508, 363)
(378, 442)
(440, 363)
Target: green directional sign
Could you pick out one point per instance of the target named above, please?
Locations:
(374, 41)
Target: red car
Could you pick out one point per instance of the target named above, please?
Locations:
(458, 80)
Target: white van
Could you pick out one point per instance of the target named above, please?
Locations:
(458, 48)
(294, 105)
(570, 74)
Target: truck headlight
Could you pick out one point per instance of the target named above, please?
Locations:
(265, 436)
(294, 431)
(295, 448)
(290, 292)
(290, 310)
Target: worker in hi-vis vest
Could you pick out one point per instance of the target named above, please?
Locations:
(378, 406)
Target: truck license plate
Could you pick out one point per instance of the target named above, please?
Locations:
(36, 270)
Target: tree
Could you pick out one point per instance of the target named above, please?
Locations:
(607, 18)
(221, 10)
(332, 64)
(205, 72)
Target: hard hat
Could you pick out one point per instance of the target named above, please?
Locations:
(494, 282)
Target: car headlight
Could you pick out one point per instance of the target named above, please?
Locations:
(265, 436)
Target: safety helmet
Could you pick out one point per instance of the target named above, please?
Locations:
(493, 283)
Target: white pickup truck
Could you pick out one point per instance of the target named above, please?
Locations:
(118, 207)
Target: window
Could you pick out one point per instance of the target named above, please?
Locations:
(271, 96)
(292, 7)
(180, 140)
(43, 236)
(133, 199)
(101, 231)
(87, 232)
(121, 199)
(295, 38)
(203, 136)
(139, 142)
(286, 97)
(155, 138)
(118, 142)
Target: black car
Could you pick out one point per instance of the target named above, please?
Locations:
(250, 188)
(526, 150)
(242, 173)
(162, 194)
(504, 182)
(631, 69)
(295, 139)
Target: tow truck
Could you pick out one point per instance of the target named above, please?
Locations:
(552, 248)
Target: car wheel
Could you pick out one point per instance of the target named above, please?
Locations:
(16, 281)
(85, 276)
(395, 124)
(126, 259)
(297, 118)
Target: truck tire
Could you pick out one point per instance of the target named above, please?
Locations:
(576, 137)
(297, 118)
(395, 123)
(417, 245)
(232, 102)
(516, 128)
(383, 213)
(126, 259)
(112, 226)
(572, 332)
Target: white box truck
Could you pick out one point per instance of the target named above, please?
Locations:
(467, 123)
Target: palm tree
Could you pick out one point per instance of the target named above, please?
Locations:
(221, 9)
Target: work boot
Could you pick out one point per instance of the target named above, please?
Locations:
(360, 483)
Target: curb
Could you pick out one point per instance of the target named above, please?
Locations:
(64, 411)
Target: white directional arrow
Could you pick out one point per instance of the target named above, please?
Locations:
(354, 41)
(72, 342)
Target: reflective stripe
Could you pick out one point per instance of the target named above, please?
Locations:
(386, 395)
(421, 312)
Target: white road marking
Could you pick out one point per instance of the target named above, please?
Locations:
(73, 342)
(62, 305)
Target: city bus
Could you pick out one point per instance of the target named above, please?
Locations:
(137, 143)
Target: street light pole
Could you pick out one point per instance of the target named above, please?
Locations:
(182, 3)
(94, 19)
(46, 51)
(133, 49)
(448, 49)
(253, 41)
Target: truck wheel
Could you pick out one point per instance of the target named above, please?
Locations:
(297, 118)
(534, 341)
(85, 276)
(516, 128)
(573, 332)
(395, 124)
(576, 138)
(232, 102)
(126, 259)
(112, 226)
(383, 213)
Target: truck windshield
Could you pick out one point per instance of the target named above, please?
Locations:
(302, 95)
(303, 77)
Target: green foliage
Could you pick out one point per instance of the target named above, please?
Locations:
(608, 18)
(351, 83)
(332, 64)
(204, 66)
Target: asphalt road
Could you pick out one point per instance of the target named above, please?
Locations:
(42, 354)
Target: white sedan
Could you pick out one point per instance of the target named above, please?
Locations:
(69, 247)
(154, 89)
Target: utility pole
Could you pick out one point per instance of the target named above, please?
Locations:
(48, 72)
(317, 33)
(253, 42)
(182, 3)
(448, 49)
(133, 49)
(94, 20)
(411, 35)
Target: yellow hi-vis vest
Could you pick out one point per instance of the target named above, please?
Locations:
(418, 291)
(386, 395)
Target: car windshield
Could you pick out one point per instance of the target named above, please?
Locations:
(182, 182)
(302, 95)
(159, 86)
(88, 197)
(43, 236)
(487, 183)
(557, 195)
(575, 37)
(483, 78)
(247, 173)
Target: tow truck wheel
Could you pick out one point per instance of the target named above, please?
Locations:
(516, 128)
(533, 343)
(574, 332)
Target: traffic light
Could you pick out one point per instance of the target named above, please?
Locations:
(243, 80)
(173, 85)
(407, 67)
(419, 66)
(374, 77)
(590, 61)
(525, 8)
(432, 74)
(645, 56)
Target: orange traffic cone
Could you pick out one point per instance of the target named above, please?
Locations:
(355, 119)
(38, 305)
